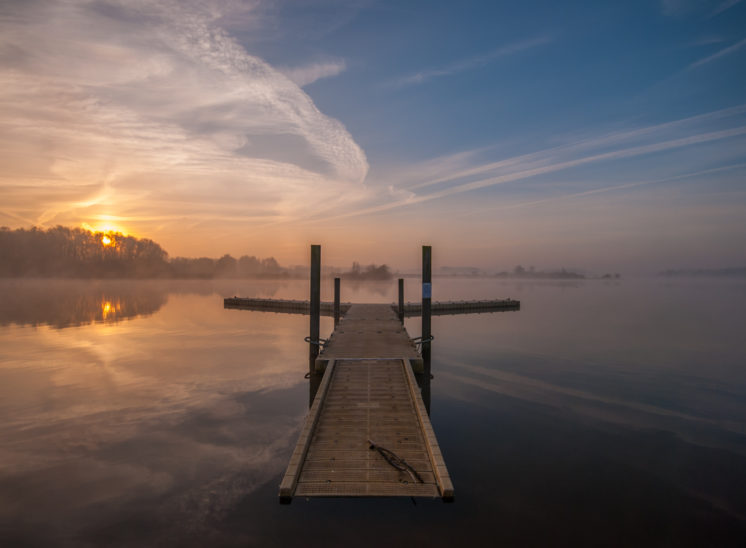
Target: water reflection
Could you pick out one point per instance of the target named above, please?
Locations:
(65, 303)
(140, 432)
(68, 303)
(599, 415)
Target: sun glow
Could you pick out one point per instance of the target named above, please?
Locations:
(105, 227)
(106, 240)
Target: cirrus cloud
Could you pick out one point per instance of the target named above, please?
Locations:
(152, 112)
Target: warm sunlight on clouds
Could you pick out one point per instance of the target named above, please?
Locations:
(153, 113)
(105, 227)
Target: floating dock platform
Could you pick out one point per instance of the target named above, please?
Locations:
(410, 309)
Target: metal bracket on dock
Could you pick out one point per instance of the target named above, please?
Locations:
(321, 342)
(419, 341)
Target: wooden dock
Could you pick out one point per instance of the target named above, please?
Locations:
(367, 432)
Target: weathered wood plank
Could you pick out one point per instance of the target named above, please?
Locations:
(290, 480)
(441, 472)
(344, 464)
(387, 474)
(366, 489)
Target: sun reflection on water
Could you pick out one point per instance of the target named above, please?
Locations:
(109, 309)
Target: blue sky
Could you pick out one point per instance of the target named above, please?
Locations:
(434, 77)
(600, 135)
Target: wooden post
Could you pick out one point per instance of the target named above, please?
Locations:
(336, 301)
(427, 294)
(313, 347)
(401, 300)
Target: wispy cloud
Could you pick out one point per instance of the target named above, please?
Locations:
(717, 55)
(723, 6)
(615, 146)
(470, 63)
(617, 188)
(675, 7)
(546, 157)
(150, 110)
(308, 74)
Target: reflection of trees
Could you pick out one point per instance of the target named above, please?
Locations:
(376, 288)
(64, 303)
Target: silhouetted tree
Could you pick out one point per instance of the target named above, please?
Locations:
(226, 267)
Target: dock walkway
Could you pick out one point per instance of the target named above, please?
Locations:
(369, 330)
(368, 394)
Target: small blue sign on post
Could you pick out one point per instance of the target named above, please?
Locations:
(427, 291)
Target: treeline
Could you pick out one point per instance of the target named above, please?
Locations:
(63, 252)
(229, 267)
(531, 273)
(74, 252)
(369, 273)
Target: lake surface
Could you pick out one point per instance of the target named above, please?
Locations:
(602, 413)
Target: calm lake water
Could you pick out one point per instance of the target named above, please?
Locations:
(143, 413)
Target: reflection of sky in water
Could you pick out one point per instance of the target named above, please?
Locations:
(616, 409)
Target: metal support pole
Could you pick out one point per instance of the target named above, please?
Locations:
(336, 301)
(313, 347)
(401, 300)
(427, 294)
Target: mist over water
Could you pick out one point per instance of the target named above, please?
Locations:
(143, 413)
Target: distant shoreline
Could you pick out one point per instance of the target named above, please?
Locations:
(730, 272)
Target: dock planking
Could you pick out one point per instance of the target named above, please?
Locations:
(370, 330)
(368, 394)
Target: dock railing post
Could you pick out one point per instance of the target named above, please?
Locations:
(336, 301)
(401, 300)
(313, 347)
(427, 294)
